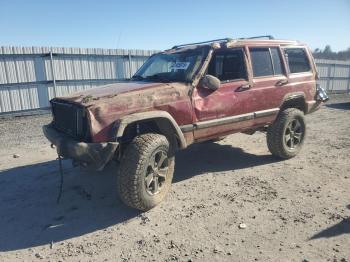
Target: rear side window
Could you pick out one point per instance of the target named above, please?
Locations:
(262, 64)
(297, 60)
(266, 61)
(228, 66)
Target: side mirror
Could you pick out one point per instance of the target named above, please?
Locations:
(210, 82)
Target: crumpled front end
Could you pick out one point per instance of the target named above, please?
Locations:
(93, 155)
(70, 133)
(85, 124)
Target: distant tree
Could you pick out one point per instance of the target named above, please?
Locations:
(344, 55)
(327, 50)
(327, 53)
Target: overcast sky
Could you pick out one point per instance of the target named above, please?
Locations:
(161, 24)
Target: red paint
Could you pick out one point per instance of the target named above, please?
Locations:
(105, 105)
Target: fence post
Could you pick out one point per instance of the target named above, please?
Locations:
(53, 74)
(333, 76)
(328, 76)
(9, 87)
(349, 80)
(130, 75)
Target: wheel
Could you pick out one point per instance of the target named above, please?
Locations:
(285, 136)
(146, 171)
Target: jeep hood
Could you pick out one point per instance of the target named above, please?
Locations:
(105, 105)
(91, 96)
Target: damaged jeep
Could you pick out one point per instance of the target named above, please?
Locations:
(188, 94)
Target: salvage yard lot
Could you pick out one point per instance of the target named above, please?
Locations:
(294, 210)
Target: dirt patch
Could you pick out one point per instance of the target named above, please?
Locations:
(294, 210)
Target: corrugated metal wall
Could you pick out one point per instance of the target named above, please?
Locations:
(334, 75)
(31, 76)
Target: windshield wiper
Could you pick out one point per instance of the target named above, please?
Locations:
(157, 77)
(137, 77)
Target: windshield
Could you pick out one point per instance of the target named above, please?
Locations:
(172, 67)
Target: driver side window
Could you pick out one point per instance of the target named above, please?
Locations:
(228, 65)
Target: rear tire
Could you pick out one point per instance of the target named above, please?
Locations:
(285, 137)
(146, 171)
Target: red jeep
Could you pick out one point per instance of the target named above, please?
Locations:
(187, 94)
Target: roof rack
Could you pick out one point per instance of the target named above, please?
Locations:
(227, 39)
(270, 37)
(205, 42)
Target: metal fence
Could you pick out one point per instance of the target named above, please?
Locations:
(334, 75)
(31, 76)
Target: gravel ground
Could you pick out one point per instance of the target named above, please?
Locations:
(294, 210)
(22, 132)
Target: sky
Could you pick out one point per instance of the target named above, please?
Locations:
(159, 25)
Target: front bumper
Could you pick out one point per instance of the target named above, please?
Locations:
(94, 155)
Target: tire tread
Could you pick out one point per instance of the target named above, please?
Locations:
(131, 166)
(275, 133)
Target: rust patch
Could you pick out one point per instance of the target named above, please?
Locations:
(106, 105)
(87, 99)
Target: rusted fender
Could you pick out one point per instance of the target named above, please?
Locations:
(149, 115)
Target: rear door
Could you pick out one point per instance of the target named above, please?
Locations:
(269, 78)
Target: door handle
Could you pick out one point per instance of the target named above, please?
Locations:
(243, 87)
(281, 82)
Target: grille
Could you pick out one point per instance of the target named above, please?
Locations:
(68, 118)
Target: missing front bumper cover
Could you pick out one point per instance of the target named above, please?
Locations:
(95, 155)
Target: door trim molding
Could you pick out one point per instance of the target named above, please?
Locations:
(229, 119)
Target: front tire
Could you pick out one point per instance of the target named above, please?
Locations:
(146, 171)
(285, 137)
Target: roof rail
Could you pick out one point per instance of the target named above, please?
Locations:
(227, 39)
(205, 42)
(270, 37)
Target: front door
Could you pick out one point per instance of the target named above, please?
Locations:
(214, 111)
